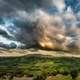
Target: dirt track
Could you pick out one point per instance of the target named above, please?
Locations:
(22, 52)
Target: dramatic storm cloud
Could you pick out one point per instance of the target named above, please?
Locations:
(23, 22)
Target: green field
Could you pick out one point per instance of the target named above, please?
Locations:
(39, 67)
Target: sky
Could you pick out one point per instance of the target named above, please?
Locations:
(18, 15)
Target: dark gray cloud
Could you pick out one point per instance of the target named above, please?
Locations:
(20, 18)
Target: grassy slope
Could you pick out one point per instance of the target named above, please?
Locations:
(34, 65)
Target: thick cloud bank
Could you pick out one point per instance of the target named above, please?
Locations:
(24, 22)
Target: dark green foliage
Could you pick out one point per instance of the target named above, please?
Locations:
(38, 66)
(39, 77)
